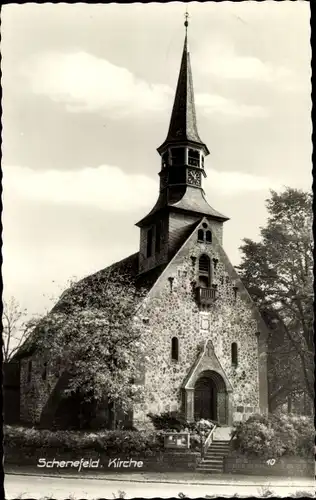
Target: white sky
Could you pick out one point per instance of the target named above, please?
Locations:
(87, 97)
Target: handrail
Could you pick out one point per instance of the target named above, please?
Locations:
(209, 440)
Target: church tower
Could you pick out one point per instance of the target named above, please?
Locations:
(181, 203)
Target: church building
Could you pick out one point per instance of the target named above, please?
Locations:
(206, 341)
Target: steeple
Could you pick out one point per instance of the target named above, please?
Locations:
(183, 125)
(181, 202)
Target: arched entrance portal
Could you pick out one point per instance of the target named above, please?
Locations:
(205, 399)
(210, 397)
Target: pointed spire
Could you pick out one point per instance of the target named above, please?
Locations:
(183, 125)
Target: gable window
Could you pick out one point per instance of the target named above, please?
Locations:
(204, 271)
(175, 348)
(208, 237)
(149, 242)
(158, 237)
(200, 235)
(234, 354)
(29, 371)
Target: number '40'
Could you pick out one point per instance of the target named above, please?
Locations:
(271, 461)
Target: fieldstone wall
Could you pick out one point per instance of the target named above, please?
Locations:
(172, 311)
(34, 393)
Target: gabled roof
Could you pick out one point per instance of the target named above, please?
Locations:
(84, 294)
(126, 269)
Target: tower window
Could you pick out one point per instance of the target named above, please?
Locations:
(234, 354)
(29, 371)
(204, 271)
(208, 236)
(175, 348)
(149, 242)
(200, 235)
(158, 237)
(177, 155)
(194, 158)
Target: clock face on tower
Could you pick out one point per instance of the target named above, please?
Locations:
(194, 177)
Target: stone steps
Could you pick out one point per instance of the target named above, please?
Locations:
(212, 462)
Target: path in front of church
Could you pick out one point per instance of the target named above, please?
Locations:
(149, 486)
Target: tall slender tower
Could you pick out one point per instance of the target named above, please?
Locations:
(181, 202)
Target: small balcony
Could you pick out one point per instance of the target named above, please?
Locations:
(206, 296)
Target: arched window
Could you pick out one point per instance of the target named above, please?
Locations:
(175, 348)
(208, 237)
(200, 235)
(204, 271)
(234, 354)
(29, 371)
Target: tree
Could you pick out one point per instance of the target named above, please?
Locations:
(278, 273)
(96, 338)
(16, 328)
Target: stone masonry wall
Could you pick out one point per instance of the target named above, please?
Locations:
(35, 393)
(172, 310)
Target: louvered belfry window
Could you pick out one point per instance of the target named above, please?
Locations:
(204, 271)
(204, 264)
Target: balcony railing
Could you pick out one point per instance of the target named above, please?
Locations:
(206, 295)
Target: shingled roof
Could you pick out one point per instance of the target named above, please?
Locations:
(183, 125)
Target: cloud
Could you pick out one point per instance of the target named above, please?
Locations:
(105, 187)
(238, 183)
(85, 83)
(109, 188)
(223, 62)
(211, 104)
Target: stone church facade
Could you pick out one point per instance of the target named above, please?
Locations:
(206, 341)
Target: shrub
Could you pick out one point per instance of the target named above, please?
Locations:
(175, 421)
(169, 421)
(112, 441)
(274, 436)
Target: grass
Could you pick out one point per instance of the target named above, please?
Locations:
(120, 494)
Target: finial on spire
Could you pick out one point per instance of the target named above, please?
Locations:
(186, 22)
